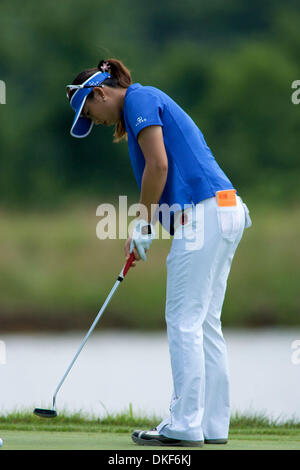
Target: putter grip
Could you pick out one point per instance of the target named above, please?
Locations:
(128, 264)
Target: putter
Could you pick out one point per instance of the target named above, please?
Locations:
(43, 413)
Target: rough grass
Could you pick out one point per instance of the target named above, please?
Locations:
(55, 273)
(255, 424)
(23, 430)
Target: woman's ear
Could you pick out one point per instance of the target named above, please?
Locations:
(99, 93)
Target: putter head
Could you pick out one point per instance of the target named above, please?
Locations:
(45, 413)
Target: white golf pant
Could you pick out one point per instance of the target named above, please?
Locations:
(196, 284)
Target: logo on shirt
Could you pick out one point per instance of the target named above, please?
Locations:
(140, 120)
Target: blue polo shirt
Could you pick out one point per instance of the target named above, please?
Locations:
(193, 173)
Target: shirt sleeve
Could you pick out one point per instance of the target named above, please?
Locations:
(143, 110)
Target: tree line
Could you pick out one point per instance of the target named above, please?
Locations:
(230, 65)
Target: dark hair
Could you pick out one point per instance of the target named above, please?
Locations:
(120, 78)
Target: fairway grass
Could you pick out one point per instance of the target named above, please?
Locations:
(24, 431)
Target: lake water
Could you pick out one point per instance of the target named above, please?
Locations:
(118, 368)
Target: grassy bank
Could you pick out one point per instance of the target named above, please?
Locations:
(55, 273)
(124, 422)
(76, 431)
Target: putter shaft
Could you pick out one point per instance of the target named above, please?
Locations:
(116, 285)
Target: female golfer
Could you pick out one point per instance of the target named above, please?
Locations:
(175, 169)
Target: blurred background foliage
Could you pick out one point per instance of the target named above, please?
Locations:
(229, 64)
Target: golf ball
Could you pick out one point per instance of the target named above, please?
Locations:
(1, 442)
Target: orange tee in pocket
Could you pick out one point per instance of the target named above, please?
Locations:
(226, 198)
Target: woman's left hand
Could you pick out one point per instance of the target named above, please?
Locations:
(141, 238)
(127, 252)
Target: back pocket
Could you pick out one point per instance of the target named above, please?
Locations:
(230, 221)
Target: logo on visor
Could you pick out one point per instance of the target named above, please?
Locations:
(140, 120)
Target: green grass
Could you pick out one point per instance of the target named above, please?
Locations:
(55, 273)
(23, 430)
(33, 440)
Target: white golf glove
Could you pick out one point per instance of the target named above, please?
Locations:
(142, 237)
